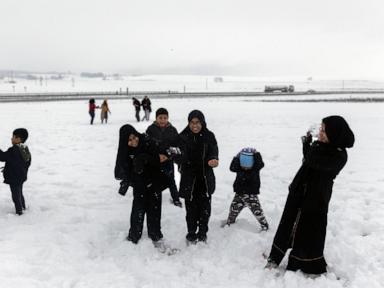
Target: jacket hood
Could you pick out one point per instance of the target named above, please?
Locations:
(24, 152)
(124, 132)
(199, 115)
(338, 132)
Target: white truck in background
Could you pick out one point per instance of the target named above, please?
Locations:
(280, 88)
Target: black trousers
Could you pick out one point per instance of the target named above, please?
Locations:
(198, 208)
(17, 197)
(169, 170)
(137, 115)
(92, 114)
(146, 203)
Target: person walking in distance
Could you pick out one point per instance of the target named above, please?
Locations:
(146, 103)
(136, 104)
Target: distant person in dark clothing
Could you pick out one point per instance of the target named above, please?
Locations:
(138, 165)
(146, 103)
(303, 224)
(247, 165)
(166, 136)
(17, 161)
(92, 108)
(137, 105)
(197, 184)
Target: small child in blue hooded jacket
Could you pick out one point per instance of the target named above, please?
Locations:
(247, 165)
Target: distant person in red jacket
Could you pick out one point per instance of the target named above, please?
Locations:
(92, 107)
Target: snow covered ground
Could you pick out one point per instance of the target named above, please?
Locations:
(73, 232)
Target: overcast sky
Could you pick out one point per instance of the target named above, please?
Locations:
(335, 38)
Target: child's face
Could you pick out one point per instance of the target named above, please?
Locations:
(15, 140)
(133, 141)
(162, 120)
(195, 125)
(322, 135)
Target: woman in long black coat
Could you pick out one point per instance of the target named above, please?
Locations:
(304, 221)
(197, 184)
(138, 165)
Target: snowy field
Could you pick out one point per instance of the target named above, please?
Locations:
(73, 232)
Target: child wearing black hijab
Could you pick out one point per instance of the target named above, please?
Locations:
(138, 166)
(197, 184)
(304, 221)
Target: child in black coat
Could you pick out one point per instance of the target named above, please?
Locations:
(17, 161)
(165, 135)
(138, 165)
(247, 165)
(200, 155)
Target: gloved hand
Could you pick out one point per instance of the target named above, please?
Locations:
(124, 185)
(307, 139)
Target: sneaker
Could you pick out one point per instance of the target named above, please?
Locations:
(224, 223)
(270, 265)
(191, 237)
(130, 239)
(177, 203)
(264, 228)
(202, 237)
(158, 243)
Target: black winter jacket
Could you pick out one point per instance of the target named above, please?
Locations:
(140, 166)
(17, 161)
(313, 183)
(137, 104)
(164, 137)
(197, 150)
(146, 103)
(247, 181)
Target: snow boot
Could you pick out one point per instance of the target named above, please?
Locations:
(177, 203)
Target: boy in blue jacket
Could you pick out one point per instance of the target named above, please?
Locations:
(17, 161)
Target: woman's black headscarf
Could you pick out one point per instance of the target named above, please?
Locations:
(124, 150)
(199, 115)
(124, 132)
(338, 132)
